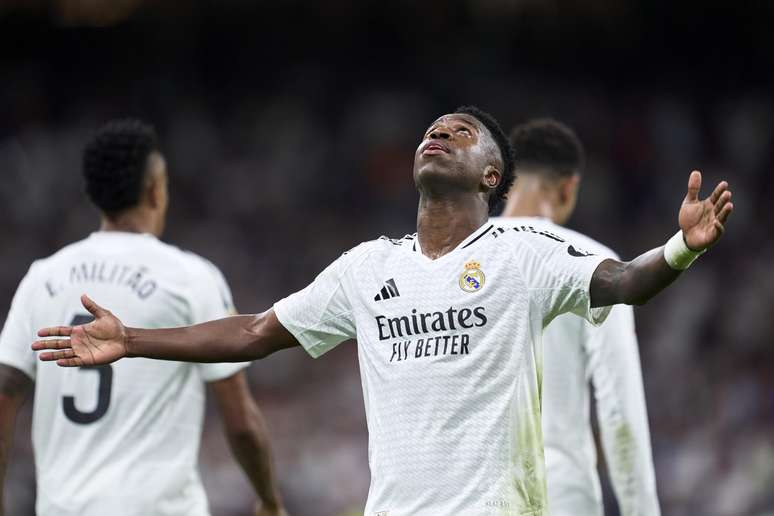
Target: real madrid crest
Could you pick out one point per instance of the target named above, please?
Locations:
(472, 278)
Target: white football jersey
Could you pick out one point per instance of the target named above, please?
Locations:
(577, 353)
(120, 439)
(449, 353)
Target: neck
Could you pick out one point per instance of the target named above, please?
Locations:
(443, 223)
(131, 221)
(530, 197)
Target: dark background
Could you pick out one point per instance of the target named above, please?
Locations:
(290, 129)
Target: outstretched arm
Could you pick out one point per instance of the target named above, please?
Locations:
(14, 387)
(232, 339)
(634, 282)
(702, 223)
(248, 438)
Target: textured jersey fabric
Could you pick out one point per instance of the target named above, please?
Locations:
(449, 353)
(122, 439)
(576, 354)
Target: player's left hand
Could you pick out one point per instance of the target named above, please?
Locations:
(703, 221)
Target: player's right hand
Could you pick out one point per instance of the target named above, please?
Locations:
(100, 342)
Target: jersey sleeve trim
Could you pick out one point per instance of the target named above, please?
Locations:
(217, 372)
(21, 365)
(595, 315)
(313, 345)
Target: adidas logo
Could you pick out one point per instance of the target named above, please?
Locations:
(388, 290)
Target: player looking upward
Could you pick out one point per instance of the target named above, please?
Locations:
(123, 439)
(447, 323)
(551, 161)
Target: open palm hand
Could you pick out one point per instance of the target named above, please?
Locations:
(703, 220)
(102, 341)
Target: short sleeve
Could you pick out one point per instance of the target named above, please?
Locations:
(558, 275)
(18, 332)
(212, 300)
(320, 316)
(211, 297)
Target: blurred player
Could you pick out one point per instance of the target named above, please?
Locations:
(123, 439)
(551, 160)
(448, 325)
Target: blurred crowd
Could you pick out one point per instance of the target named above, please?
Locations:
(284, 153)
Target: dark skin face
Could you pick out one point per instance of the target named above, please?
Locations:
(456, 168)
(457, 154)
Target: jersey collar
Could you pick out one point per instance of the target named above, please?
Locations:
(523, 220)
(470, 240)
(120, 234)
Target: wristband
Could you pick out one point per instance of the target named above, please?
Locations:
(678, 255)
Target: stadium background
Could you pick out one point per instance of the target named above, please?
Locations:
(290, 129)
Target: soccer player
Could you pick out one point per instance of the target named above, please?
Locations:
(123, 439)
(448, 324)
(551, 160)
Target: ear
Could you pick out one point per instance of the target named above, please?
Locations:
(153, 191)
(155, 186)
(491, 178)
(568, 189)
